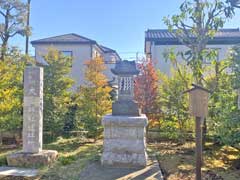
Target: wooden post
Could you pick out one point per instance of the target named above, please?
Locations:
(198, 109)
(198, 147)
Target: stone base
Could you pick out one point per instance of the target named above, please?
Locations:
(13, 173)
(124, 141)
(21, 159)
(124, 159)
(125, 108)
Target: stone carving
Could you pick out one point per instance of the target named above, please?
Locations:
(33, 110)
(32, 154)
(124, 130)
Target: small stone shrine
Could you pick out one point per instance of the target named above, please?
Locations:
(32, 154)
(124, 130)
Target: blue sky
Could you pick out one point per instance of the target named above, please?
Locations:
(118, 24)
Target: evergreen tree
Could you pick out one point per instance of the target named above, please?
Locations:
(11, 90)
(57, 94)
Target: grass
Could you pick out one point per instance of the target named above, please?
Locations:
(4, 151)
(74, 155)
(178, 161)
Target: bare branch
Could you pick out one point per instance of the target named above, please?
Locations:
(4, 15)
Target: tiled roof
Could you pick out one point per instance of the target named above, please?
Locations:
(66, 38)
(106, 49)
(163, 35)
(125, 67)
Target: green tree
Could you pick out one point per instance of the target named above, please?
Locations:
(174, 104)
(13, 13)
(223, 111)
(94, 96)
(57, 94)
(235, 65)
(195, 25)
(11, 90)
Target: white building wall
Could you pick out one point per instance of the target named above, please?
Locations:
(80, 53)
(157, 52)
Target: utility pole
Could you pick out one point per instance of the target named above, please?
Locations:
(137, 56)
(28, 20)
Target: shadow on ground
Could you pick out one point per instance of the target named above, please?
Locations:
(95, 171)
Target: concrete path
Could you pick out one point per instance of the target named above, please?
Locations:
(12, 173)
(97, 172)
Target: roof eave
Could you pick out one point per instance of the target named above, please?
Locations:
(61, 42)
(175, 41)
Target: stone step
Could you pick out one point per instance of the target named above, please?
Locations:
(13, 173)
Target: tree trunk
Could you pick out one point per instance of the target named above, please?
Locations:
(3, 50)
(204, 133)
(5, 35)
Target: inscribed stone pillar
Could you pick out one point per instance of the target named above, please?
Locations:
(33, 110)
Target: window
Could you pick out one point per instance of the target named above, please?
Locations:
(67, 53)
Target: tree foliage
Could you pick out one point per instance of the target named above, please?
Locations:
(146, 86)
(94, 97)
(57, 94)
(235, 65)
(11, 90)
(173, 103)
(194, 26)
(223, 110)
(14, 14)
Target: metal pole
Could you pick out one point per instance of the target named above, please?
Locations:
(198, 147)
(27, 36)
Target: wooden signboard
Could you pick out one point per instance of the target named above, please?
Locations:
(198, 97)
(198, 103)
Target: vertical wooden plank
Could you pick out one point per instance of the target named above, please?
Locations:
(198, 148)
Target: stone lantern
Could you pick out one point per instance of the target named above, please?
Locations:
(125, 105)
(124, 129)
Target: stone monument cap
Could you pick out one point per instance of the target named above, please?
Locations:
(125, 68)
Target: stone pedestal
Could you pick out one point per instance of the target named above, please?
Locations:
(21, 159)
(32, 153)
(124, 141)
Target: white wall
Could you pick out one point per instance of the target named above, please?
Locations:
(157, 52)
(81, 53)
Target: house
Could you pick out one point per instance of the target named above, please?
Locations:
(158, 41)
(80, 49)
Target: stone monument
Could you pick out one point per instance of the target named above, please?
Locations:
(124, 130)
(32, 154)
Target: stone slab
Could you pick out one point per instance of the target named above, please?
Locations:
(95, 171)
(13, 173)
(125, 121)
(22, 159)
(124, 159)
(125, 108)
(123, 145)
